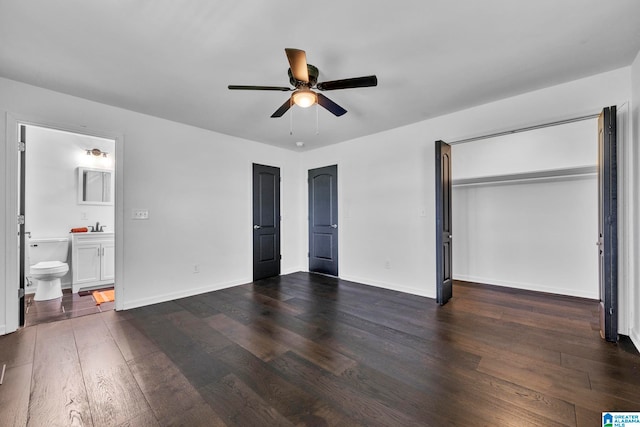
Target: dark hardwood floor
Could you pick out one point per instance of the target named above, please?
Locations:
(70, 305)
(311, 350)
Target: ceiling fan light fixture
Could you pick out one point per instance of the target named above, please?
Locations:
(304, 98)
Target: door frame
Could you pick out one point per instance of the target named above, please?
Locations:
(13, 122)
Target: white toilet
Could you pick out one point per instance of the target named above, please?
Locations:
(48, 263)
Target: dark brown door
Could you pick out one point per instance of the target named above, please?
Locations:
(444, 280)
(608, 224)
(323, 220)
(266, 221)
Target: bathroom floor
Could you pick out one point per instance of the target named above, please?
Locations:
(70, 305)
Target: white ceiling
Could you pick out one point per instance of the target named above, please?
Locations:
(174, 59)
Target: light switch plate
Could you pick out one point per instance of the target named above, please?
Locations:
(140, 214)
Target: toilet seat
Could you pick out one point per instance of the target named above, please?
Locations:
(49, 267)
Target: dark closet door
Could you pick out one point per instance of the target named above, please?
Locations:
(444, 279)
(266, 221)
(608, 224)
(323, 220)
(21, 233)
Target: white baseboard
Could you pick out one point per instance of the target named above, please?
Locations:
(428, 293)
(191, 292)
(3, 329)
(635, 338)
(156, 299)
(528, 286)
(291, 270)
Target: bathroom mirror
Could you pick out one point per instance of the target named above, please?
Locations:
(95, 186)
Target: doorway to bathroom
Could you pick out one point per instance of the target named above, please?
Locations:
(67, 224)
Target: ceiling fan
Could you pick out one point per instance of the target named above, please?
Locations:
(304, 77)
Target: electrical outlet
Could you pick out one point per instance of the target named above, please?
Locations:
(83, 215)
(196, 268)
(140, 214)
(387, 265)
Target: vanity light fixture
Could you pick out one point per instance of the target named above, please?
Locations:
(97, 152)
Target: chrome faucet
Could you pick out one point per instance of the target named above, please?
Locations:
(96, 228)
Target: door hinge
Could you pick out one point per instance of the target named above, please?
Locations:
(20, 219)
(21, 146)
(308, 255)
(280, 256)
(20, 292)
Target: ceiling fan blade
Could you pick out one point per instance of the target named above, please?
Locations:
(366, 81)
(243, 87)
(298, 63)
(330, 105)
(283, 108)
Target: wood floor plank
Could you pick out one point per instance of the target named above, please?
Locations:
(169, 392)
(58, 395)
(131, 342)
(113, 393)
(291, 401)
(263, 346)
(326, 358)
(550, 409)
(14, 395)
(565, 384)
(363, 408)
(311, 350)
(273, 303)
(240, 406)
(547, 375)
(208, 339)
(628, 374)
(146, 419)
(18, 347)
(197, 306)
(393, 393)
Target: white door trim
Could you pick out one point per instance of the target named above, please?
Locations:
(11, 190)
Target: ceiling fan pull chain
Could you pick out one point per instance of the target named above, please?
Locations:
(317, 120)
(291, 118)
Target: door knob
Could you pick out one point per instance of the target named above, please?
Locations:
(256, 227)
(334, 225)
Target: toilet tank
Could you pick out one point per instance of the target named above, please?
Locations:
(49, 249)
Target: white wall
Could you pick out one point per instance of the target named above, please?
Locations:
(53, 159)
(634, 217)
(535, 234)
(386, 187)
(195, 183)
(566, 146)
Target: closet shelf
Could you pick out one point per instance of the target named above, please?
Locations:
(547, 175)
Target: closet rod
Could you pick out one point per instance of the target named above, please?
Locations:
(524, 129)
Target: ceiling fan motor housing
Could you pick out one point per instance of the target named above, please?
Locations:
(313, 77)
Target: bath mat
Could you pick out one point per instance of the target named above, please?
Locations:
(104, 296)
